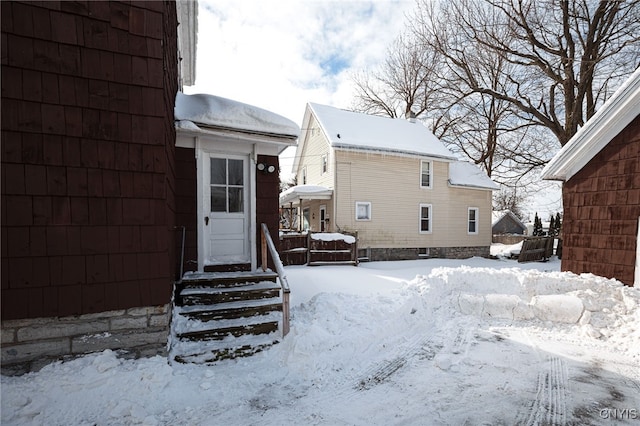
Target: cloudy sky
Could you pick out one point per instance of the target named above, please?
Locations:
(279, 55)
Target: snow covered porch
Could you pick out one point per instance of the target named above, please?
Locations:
(232, 298)
(306, 207)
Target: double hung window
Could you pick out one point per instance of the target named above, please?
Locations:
(426, 218)
(472, 227)
(426, 175)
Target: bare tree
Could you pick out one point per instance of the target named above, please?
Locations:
(566, 54)
(509, 199)
(406, 84)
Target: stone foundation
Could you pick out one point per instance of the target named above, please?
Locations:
(385, 254)
(29, 344)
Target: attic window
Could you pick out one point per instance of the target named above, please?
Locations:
(325, 164)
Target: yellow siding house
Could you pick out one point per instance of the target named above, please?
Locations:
(391, 181)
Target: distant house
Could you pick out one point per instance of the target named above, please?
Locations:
(505, 222)
(391, 181)
(600, 168)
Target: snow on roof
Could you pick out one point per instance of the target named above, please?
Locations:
(466, 174)
(226, 113)
(611, 119)
(305, 192)
(354, 130)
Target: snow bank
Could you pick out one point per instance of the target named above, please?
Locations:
(383, 343)
(601, 307)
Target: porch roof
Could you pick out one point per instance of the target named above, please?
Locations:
(294, 194)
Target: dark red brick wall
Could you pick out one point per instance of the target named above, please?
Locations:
(88, 170)
(267, 202)
(186, 203)
(601, 210)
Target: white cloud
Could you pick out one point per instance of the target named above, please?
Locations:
(279, 55)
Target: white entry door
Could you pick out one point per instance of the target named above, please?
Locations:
(227, 215)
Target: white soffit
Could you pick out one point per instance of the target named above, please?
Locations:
(611, 119)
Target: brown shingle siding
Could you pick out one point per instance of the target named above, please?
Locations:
(602, 202)
(78, 170)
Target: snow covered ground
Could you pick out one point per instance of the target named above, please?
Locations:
(429, 342)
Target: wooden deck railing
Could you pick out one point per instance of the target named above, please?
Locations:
(269, 247)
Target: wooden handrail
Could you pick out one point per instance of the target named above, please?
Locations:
(267, 243)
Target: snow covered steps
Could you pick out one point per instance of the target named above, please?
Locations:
(221, 315)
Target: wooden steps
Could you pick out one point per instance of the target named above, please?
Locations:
(221, 315)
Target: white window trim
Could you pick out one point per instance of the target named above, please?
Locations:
(420, 218)
(368, 204)
(430, 174)
(304, 176)
(477, 210)
(324, 161)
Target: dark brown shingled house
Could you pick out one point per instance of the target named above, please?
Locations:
(97, 185)
(600, 168)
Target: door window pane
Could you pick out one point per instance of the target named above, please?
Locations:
(218, 199)
(218, 171)
(235, 200)
(235, 172)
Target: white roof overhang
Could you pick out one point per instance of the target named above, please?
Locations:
(295, 194)
(611, 119)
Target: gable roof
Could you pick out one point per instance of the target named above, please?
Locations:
(364, 132)
(616, 114)
(498, 215)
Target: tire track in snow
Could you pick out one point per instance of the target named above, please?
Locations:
(550, 404)
(381, 371)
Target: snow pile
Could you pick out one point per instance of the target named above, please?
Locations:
(418, 342)
(506, 251)
(600, 307)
